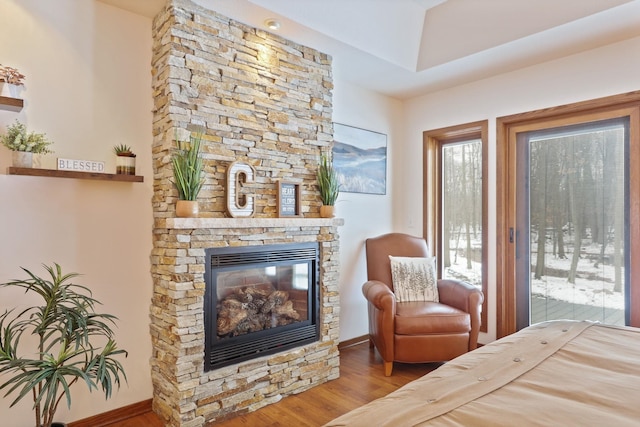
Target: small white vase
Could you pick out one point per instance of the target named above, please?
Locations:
(10, 90)
(22, 159)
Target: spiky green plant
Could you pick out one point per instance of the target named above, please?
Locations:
(123, 150)
(67, 329)
(327, 180)
(188, 167)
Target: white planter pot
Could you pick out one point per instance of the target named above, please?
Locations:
(10, 90)
(125, 165)
(22, 159)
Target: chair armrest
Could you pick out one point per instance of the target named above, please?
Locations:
(379, 294)
(461, 295)
(381, 306)
(466, 297)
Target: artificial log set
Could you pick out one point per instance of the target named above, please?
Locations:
(255, 308)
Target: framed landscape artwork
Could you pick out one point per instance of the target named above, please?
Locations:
(360, 159)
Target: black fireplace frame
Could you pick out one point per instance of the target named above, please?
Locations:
(231, 350)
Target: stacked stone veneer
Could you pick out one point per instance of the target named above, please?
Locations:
(261, 99)
(264, 101)
(184, 395)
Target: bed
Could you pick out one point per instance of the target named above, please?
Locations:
(557, 373)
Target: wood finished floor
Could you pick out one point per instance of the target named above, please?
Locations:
(361, 380)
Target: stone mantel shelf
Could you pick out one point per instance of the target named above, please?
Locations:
(212, 223)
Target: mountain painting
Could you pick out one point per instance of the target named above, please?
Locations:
(360, 159)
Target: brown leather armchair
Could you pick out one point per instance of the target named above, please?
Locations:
(416, 332)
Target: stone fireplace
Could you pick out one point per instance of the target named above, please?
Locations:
(184, 393)
(264, 101)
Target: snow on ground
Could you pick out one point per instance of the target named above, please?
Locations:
(586, 290)
(596, 292)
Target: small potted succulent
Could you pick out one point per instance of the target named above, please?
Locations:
(188, 175)
(125, 160)
(328, 185)
(11, 81)
(24, 144)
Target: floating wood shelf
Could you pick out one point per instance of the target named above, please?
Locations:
(73, 174)
(11, 104)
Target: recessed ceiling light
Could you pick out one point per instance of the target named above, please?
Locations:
(272, 24)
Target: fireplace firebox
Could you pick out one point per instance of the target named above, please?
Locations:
(259, 300)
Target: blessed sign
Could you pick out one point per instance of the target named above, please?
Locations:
(80, 165)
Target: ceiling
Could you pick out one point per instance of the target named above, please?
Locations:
(405, 48)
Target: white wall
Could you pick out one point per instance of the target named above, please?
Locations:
(88, 86)
(592, 74)
(365, 215)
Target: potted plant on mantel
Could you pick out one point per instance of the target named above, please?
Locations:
(328, 185)
(24, 144)
(11, 81)
(72, 344)
(187, 175)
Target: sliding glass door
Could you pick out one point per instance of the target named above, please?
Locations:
(572, 223)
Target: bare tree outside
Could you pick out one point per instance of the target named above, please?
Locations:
(462, 211)
(576, 233)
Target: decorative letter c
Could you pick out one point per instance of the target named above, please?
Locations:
(239, 205)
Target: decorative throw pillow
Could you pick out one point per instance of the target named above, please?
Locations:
(414, 279)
